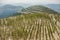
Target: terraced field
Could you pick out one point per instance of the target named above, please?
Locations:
(35, 26)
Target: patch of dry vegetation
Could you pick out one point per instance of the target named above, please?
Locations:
(35, 26)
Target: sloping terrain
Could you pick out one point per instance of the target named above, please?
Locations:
(38, 8)
(33, 26)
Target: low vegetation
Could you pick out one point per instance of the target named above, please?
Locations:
(33, 26)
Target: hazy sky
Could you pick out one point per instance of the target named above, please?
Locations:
(30, 1)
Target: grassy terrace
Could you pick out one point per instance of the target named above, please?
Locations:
(34, 26)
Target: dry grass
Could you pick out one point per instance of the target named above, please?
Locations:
(31, 27)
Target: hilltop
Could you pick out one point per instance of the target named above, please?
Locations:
(38, 9)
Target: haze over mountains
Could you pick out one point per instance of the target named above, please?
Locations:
(8, 9)
(55, 7)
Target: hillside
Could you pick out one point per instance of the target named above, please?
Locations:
(38, 8)
(33, 26)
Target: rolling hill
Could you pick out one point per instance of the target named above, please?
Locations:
(38, 8)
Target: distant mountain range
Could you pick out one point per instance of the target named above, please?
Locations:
(8, 10)
(55, 7)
